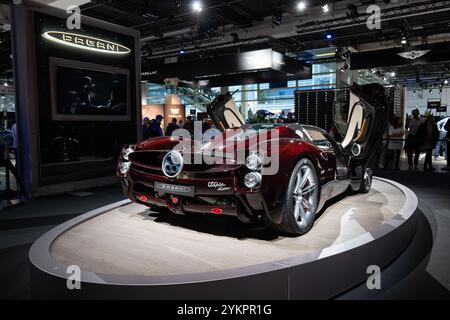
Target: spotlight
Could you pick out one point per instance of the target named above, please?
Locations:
(178, 3)
(345, 67)
(325, 8)
(197, 6)
(392, 74)
(430, 91)
(445, 81)
(301, 6)
(329, 36)
(404, 41)
(5, 84)
(373, 70)
(182, 51)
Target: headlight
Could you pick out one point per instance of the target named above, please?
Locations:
(124, 167)
(254, 162)
(127, 151)
(252, 180)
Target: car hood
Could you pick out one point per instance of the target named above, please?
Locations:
(246, 137)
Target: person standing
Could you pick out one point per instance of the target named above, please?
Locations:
(15, 141)
(395, 144)
(447, 144)
(441, 141)
(189, 125)
(412, 145)
(146, 128)
(155, 126)
(428, 133)
(171, 127)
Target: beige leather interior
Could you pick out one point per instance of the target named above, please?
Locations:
(232, 115)
(362, 133)
(355, 120)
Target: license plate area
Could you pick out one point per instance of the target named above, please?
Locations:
(161, 187)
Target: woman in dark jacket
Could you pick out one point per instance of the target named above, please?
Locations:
(428, 135)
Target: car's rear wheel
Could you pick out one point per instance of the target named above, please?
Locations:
(301, 202)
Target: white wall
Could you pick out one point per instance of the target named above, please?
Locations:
(421, 98)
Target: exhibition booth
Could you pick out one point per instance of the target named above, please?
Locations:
(71, 86)
(315, 228)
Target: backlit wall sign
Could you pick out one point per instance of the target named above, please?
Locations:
(85, 42)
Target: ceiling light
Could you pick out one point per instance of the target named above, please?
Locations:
(373, 70)
(178, 3)
(325, 8)
(329, 36)
(345, 67)
(182, 51)
(392, 74)
(430, 91)
(445, 81)
(414, 92)
(301, 6)
(196, 6)
(404, 41)
(327, 54)
(5, 84)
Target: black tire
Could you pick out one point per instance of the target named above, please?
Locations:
(366, 181)
(289, 223)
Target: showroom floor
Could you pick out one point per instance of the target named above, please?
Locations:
(426, 273)
(21, 225)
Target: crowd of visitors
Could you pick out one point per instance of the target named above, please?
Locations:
(421, 134)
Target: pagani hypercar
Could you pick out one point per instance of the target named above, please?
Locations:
(313, 167)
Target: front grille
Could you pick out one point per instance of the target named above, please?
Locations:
(147, 158)
(150, 162)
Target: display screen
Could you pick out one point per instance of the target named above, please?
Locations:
(91, 92)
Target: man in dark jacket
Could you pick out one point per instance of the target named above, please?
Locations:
(428, 135)
(155, 126)
(172, 127)
(146, 129)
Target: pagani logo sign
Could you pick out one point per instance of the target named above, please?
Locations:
(85, 42)
(414, 54)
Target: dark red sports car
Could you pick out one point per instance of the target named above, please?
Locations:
(280, 173)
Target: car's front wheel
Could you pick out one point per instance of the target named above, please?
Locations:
(301, 202)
